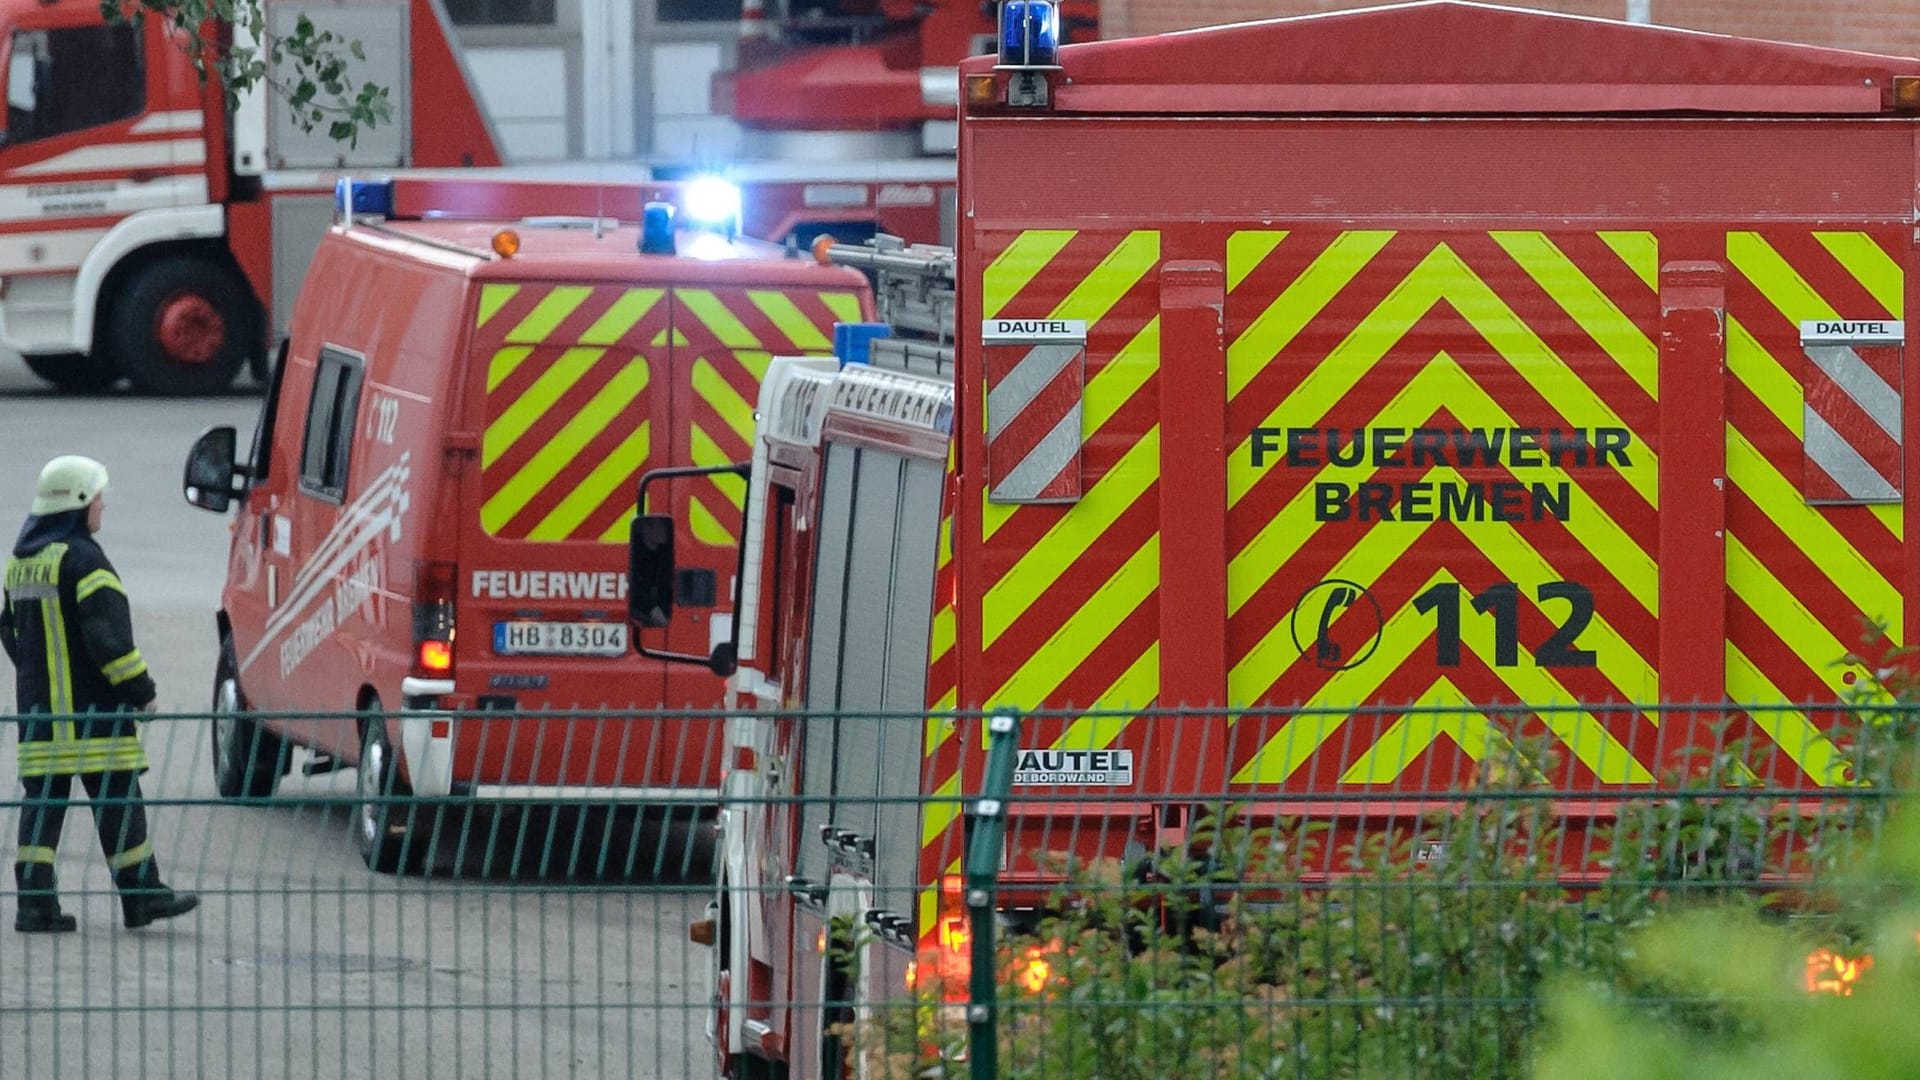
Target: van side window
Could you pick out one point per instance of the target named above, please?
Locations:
(330, 423)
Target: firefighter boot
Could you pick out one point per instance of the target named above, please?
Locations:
(39, 911)
(144, 899)
(42, 915)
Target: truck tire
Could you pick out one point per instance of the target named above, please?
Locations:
(384, 817)
(74, 373)
(181, 325)
(248, 761)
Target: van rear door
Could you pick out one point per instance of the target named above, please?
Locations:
(571, 403)
(578, 389)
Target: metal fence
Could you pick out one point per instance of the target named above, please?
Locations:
(527, 940)
(1201, 922)
(1413, 927)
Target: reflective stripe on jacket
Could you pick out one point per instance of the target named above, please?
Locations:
(66, 626)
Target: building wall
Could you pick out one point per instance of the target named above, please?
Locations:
(560, 88)
(530, 91)
(678, 120)
(526, 67)
(1883, 26)
(549, 99)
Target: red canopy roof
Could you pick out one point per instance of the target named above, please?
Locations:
(1446, 56)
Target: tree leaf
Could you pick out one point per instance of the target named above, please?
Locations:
(307, 67)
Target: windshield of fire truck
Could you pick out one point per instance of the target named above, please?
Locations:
(69, 79)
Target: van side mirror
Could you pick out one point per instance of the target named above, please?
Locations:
(653, 583)
(211, 482)
(650, 570)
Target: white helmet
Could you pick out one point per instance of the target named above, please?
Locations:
(69, 482)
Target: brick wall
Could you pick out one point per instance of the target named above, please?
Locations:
(1883, 26)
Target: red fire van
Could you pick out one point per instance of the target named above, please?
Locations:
(431, 525)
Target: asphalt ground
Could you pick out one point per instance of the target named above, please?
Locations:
(537, 944)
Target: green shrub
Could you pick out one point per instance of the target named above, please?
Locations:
(1789, 997)
(1731, 989)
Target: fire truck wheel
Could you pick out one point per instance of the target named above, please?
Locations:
(383, 815)
(181, 325)
(247, 760)
(75, 373)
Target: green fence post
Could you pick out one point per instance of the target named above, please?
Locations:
(989, 825)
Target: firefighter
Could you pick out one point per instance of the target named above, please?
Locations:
(65, 624)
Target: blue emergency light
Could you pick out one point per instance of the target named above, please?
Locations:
(853, 341)
(712, 202)
(364, 196)
(656, 229)
(1029, 34)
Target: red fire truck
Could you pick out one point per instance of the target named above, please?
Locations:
(874, 84)
(1352, 379)
(861, 76)
(147, 232)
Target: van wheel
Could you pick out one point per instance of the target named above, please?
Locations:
(248, 761)
(182, 326)
(383, 819)
(74, 373)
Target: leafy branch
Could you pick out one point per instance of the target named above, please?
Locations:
(307, 68)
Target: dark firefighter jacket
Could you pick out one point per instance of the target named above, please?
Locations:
(67, 628)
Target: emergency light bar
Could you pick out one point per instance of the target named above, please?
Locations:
(712, 203)
(656, 229)
(707, 206)
(363, 197)
(1029, 35)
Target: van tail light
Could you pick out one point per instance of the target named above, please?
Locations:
(436, 657)
(434, 587)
